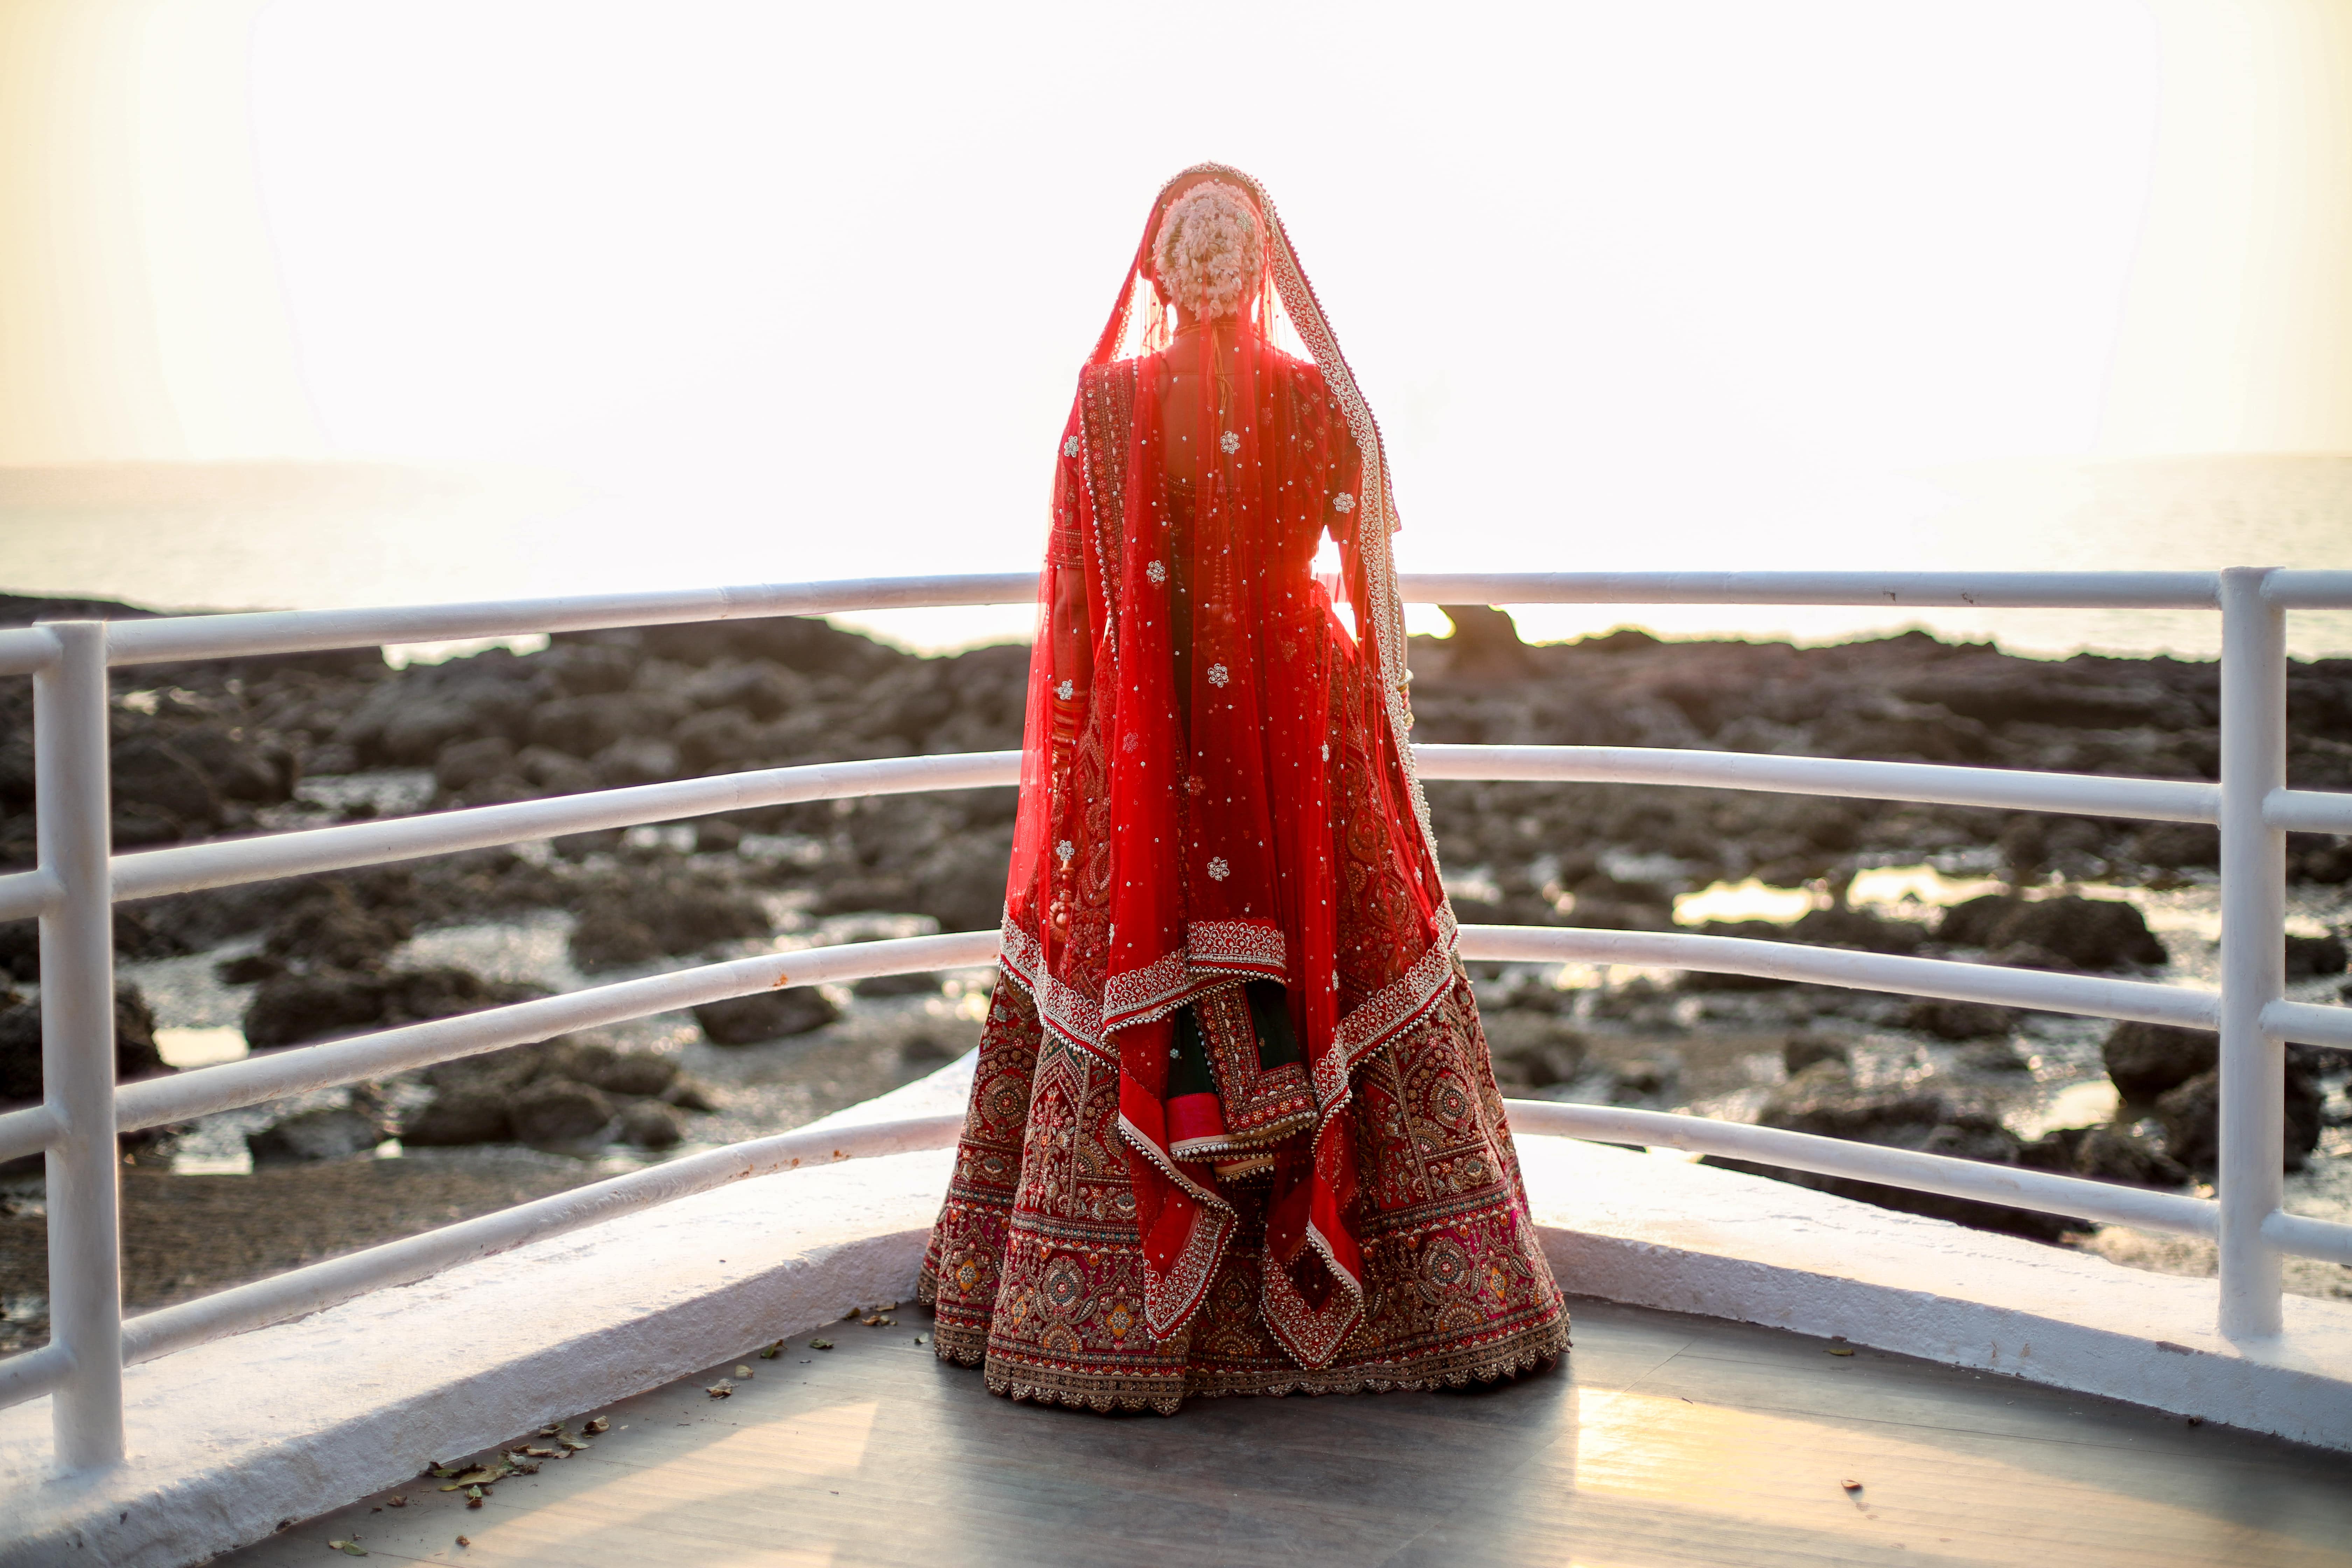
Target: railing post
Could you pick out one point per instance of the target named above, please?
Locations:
(72, 786)
(2254, 919)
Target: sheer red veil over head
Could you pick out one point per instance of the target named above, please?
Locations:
(1215, 786)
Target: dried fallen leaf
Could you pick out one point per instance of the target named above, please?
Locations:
(743, 1371)
(888, 1307)
(1841, 1350)
(879, 1321)
(446, 1471)
(396, 1500)
(720, 1390)
(553, 1429)
(772, 1352)
(1852, 1486)
(820, 1344)
(463, 1541)
(596, 1423)
(923, 1339)
(536, 1452)
(473, 1502)
(574, 1444)
(348, 1548)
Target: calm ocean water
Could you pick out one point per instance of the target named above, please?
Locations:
(338, 534)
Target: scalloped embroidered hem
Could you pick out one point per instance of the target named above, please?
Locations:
(1533, 1349)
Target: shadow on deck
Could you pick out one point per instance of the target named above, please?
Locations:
(1667, 1439)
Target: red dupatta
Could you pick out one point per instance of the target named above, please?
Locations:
(1263, 822)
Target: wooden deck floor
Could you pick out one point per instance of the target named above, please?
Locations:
(1668, 1440)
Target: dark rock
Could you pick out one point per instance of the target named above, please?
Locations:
(1799, 1052)
(897, 984)
(1856, 929)
(2178, 847)
(329, 927)
(2144, 1060)
(761, 689)
(636, 760)
(558, 1112)
(291, 1008)
(1532, 1049)
(685, 911)
(2191, 1118)
(2103, 1153)
(1948, 1020)
(644, 1073)
(584, 726)
(247, 969)
(465, 763)
(650, 1124)
(587, 668)
(2087, 933)
(765, 1015)
(159, 792)
(1825, 1102)
(717, 835)
(20, 1044)
(580, 846)
(721, 737)
(1993, 1056)
(340, 1133)
(1644, 1077)
(2309, 957)
(460, 1115)
(2113, 1154)
(688, 1094)
(612, 939)
(556, 772)
(1484, 645)
(243, 765)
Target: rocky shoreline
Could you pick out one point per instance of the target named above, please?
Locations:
(262, 744)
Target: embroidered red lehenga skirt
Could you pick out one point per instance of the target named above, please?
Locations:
(1232, 1129)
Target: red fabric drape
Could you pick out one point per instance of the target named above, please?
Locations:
(1214, 782)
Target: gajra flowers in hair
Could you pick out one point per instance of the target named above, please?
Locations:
(1210, 250)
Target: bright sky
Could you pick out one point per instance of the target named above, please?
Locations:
(801, 290)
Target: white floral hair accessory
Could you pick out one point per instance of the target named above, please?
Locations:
(1210, 248)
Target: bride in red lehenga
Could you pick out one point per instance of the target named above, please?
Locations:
(1233, 1129)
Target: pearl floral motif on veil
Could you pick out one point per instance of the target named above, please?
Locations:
(1343, 502)
(1231, 441)
(1069, 446)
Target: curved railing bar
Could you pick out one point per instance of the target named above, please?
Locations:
(153, 873)
(2307, 588)
(2308, 1023)
(315, 1286)
(1996, 983)
(167, 637)
(26, 894)
(204, 1091)
(2308, 810)
(2043, 1191)
(1889, 590)
(2159, 800)
(2309, 1237)
(310, 631)
(24, 649)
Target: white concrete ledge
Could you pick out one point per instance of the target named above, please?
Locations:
(227, 1439)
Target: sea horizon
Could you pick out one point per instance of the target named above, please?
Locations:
(341, 533)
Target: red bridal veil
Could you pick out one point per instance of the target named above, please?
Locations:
(1222, 897)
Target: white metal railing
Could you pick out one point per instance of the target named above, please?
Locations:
(78, 882)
